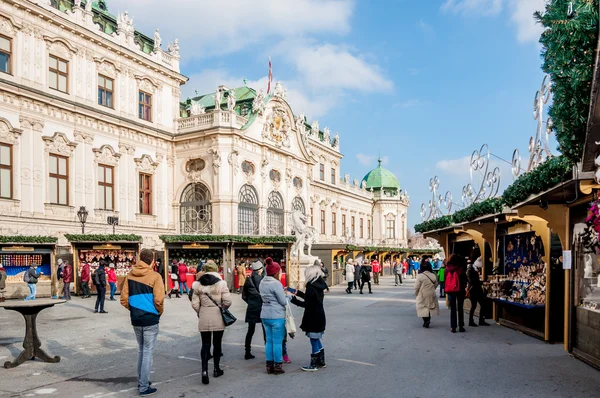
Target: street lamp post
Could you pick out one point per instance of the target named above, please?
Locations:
(82, 214)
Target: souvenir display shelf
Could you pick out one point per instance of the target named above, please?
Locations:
(524, 286)
(17, 264)
(249, 256)
(123, 259)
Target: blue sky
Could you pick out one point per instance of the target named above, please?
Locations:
(421, 83)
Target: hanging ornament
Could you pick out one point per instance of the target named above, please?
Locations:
(570, 12)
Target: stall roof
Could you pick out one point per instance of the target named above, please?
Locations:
(590, 149)
(564, 192)
(487, 217)
(252, 240)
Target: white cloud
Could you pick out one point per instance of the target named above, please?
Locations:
(521, 13)
(371, 160)
(455, 167)
(220, 27)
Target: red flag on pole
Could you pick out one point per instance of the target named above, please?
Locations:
(270, 76)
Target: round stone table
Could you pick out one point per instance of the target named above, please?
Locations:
(31, 344)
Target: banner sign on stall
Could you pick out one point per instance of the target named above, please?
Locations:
(566, 259)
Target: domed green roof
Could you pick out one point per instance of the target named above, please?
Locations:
(380, 178)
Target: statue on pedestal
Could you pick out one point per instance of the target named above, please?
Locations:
(305, 235)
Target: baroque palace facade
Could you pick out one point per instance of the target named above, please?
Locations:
(90, 115)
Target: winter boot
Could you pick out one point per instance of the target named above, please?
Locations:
(249, 354)
(313, 367)
(270, 367)
(205, 379)
(321, 363)
(218, 371)
(287, 359)
(278, 370)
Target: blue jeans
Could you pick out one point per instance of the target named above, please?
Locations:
(183, 287)
(275, 330)
(146, 339)
(316, 345)
(113, 289)
(32, 291)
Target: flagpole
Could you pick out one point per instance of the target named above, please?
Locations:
(270, 76)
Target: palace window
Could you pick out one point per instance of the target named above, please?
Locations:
(106, 185)
(6, 171)
(5, 54)
(353, 226)
(145, 106)
(275, 214)
(58, 184)
(323, 222)
(195, 210)
(321, 171)
(145, 193)
(298, 205)
(333, 224)
(312, 217)
(390, 227)
(58, 76)
(361, 226)
(105, 91)
(298, 182)
(275, 176)
(343, 225)
(248, 211)
(368, 229)
(247, 167)
(333, 176)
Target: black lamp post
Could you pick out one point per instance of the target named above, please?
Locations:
(82, 214)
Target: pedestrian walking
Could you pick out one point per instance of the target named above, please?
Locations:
(241, 273)
(175, 279)
(357, 268)
(273, 316)
(209, 296)
(455, 285)
(427, 302)
(31, 277)
(404, 268)
(251, 295)
(67, 277)
(99, 279)
(84, 278)
(313, 320)
(350, 275)
(415, 265)
(111, 276)
(376, 267)
(441, 279)
(365, 277)
(59, 278)
(476, 293)
(182, 271)
(397, 269)
(143, 295)
(2, 283)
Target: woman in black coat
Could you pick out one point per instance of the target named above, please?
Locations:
(251, 295)
(313, 320)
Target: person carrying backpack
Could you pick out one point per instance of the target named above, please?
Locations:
(99, 279)
(31, 277)
(455, 280)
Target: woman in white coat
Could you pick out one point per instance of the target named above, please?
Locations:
(350, 275)
(427, 301)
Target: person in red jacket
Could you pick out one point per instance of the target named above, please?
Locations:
(85, 281)
(111, 278)
(67, 279)
(183, 270)
(376, 270)
(455, 281)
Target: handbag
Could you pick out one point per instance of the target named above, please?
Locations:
(174, 277)
(228, 318)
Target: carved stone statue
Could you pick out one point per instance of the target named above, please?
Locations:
(258, 104)
(314, 128)
(218, 97)
(125, 23)
(300, 126)
(231, 100)
(157, 41)
(305, 235)
(173, 49)
(77, 3)
(347, 178)
(336, 140)
(196, 109)
(88, 5)
(326, 134)
(279, 91)
(363, 184)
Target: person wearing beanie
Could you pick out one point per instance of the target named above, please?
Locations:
(251, 295)
(209, 296)
(313, 320)
(273, 316)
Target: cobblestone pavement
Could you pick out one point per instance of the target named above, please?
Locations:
(375, 346)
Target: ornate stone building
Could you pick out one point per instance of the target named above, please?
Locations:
(90, 115)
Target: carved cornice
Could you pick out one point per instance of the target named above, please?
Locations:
(9, 134)
(60, 46)
(145, 164)
(106, 155)
(59, 144)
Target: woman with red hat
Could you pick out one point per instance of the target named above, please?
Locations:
(273, 316)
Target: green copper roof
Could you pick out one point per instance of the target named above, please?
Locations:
(381, 178)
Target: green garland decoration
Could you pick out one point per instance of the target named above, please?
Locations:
(380, 249)
(432, 225)
(548, 174)
(102, 238)
(476, 210)
(255, 240)
(569, 43)
(27, 239)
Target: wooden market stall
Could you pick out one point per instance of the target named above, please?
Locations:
(121, 250)
(18, 253)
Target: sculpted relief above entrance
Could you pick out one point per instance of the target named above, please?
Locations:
(277, 128)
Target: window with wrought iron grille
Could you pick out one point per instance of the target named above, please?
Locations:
(195, 210)
(298, 205)
(248, 211)
(275, 225)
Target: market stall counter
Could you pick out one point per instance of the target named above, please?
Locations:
(18, 253)
(120, 250)
(247, 254)
(193, 256)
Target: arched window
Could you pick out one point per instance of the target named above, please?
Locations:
(248, 211)
(196, 210)
(298, 205)
(275, 214)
